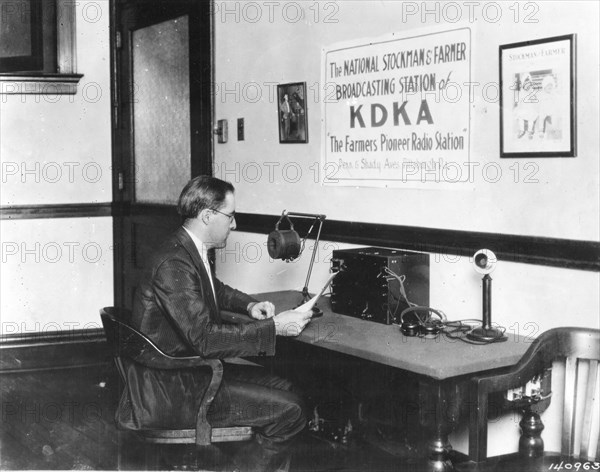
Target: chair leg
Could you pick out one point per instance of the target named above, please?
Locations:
(531, 444)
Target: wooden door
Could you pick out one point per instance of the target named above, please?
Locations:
(162, 123)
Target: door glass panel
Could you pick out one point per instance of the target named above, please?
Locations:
(161, 111)
(16, 31)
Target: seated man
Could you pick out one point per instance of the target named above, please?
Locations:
(178, 305)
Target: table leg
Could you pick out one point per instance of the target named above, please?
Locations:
(440, 407)
(438, 452)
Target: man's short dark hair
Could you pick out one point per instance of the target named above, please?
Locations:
(202, 192)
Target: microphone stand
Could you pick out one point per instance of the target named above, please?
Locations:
(487, 333)
(305, 295)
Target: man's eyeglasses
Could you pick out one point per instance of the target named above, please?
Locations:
(231, 215)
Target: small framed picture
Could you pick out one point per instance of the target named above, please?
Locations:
(537, 98)
(293, 124)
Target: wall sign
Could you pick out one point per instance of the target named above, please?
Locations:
(396, 111)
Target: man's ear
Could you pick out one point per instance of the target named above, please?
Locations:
(205, 216)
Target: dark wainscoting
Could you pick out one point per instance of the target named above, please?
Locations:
(553, 252)
(565, 253)
(67, 210)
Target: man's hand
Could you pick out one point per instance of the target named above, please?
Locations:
(291, 322)
(261, 310)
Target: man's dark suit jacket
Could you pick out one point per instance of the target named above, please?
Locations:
(175, 307)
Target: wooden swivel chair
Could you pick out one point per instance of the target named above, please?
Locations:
(579, 350)
(126, 342)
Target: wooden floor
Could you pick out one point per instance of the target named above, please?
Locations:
(63, 420)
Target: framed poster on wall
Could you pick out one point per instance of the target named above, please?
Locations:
(293, 124)
(537, 98)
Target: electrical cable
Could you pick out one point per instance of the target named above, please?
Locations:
(402, 289)
(460, 327)
(401, 279)
(303, 243)
(455, 330)
(451, 329)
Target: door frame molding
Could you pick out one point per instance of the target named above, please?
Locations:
(201, 105)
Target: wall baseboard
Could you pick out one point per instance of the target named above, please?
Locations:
(53, 350)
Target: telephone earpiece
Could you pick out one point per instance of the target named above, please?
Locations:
(410, 328)
(428, 324)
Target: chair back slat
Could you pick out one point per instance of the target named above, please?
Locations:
(569, 405)
(580, 408)
(591, 395)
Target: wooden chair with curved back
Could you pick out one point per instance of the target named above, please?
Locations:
(579, 350)
(126, 342)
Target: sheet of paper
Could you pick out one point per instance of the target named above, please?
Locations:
(309, 304)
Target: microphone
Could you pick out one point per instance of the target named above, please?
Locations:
(284, 244)
(485, 262)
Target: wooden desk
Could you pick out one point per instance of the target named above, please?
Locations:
(444, 366)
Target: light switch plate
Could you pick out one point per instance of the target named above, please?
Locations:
(240, 129)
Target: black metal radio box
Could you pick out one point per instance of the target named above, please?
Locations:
(376, 284)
